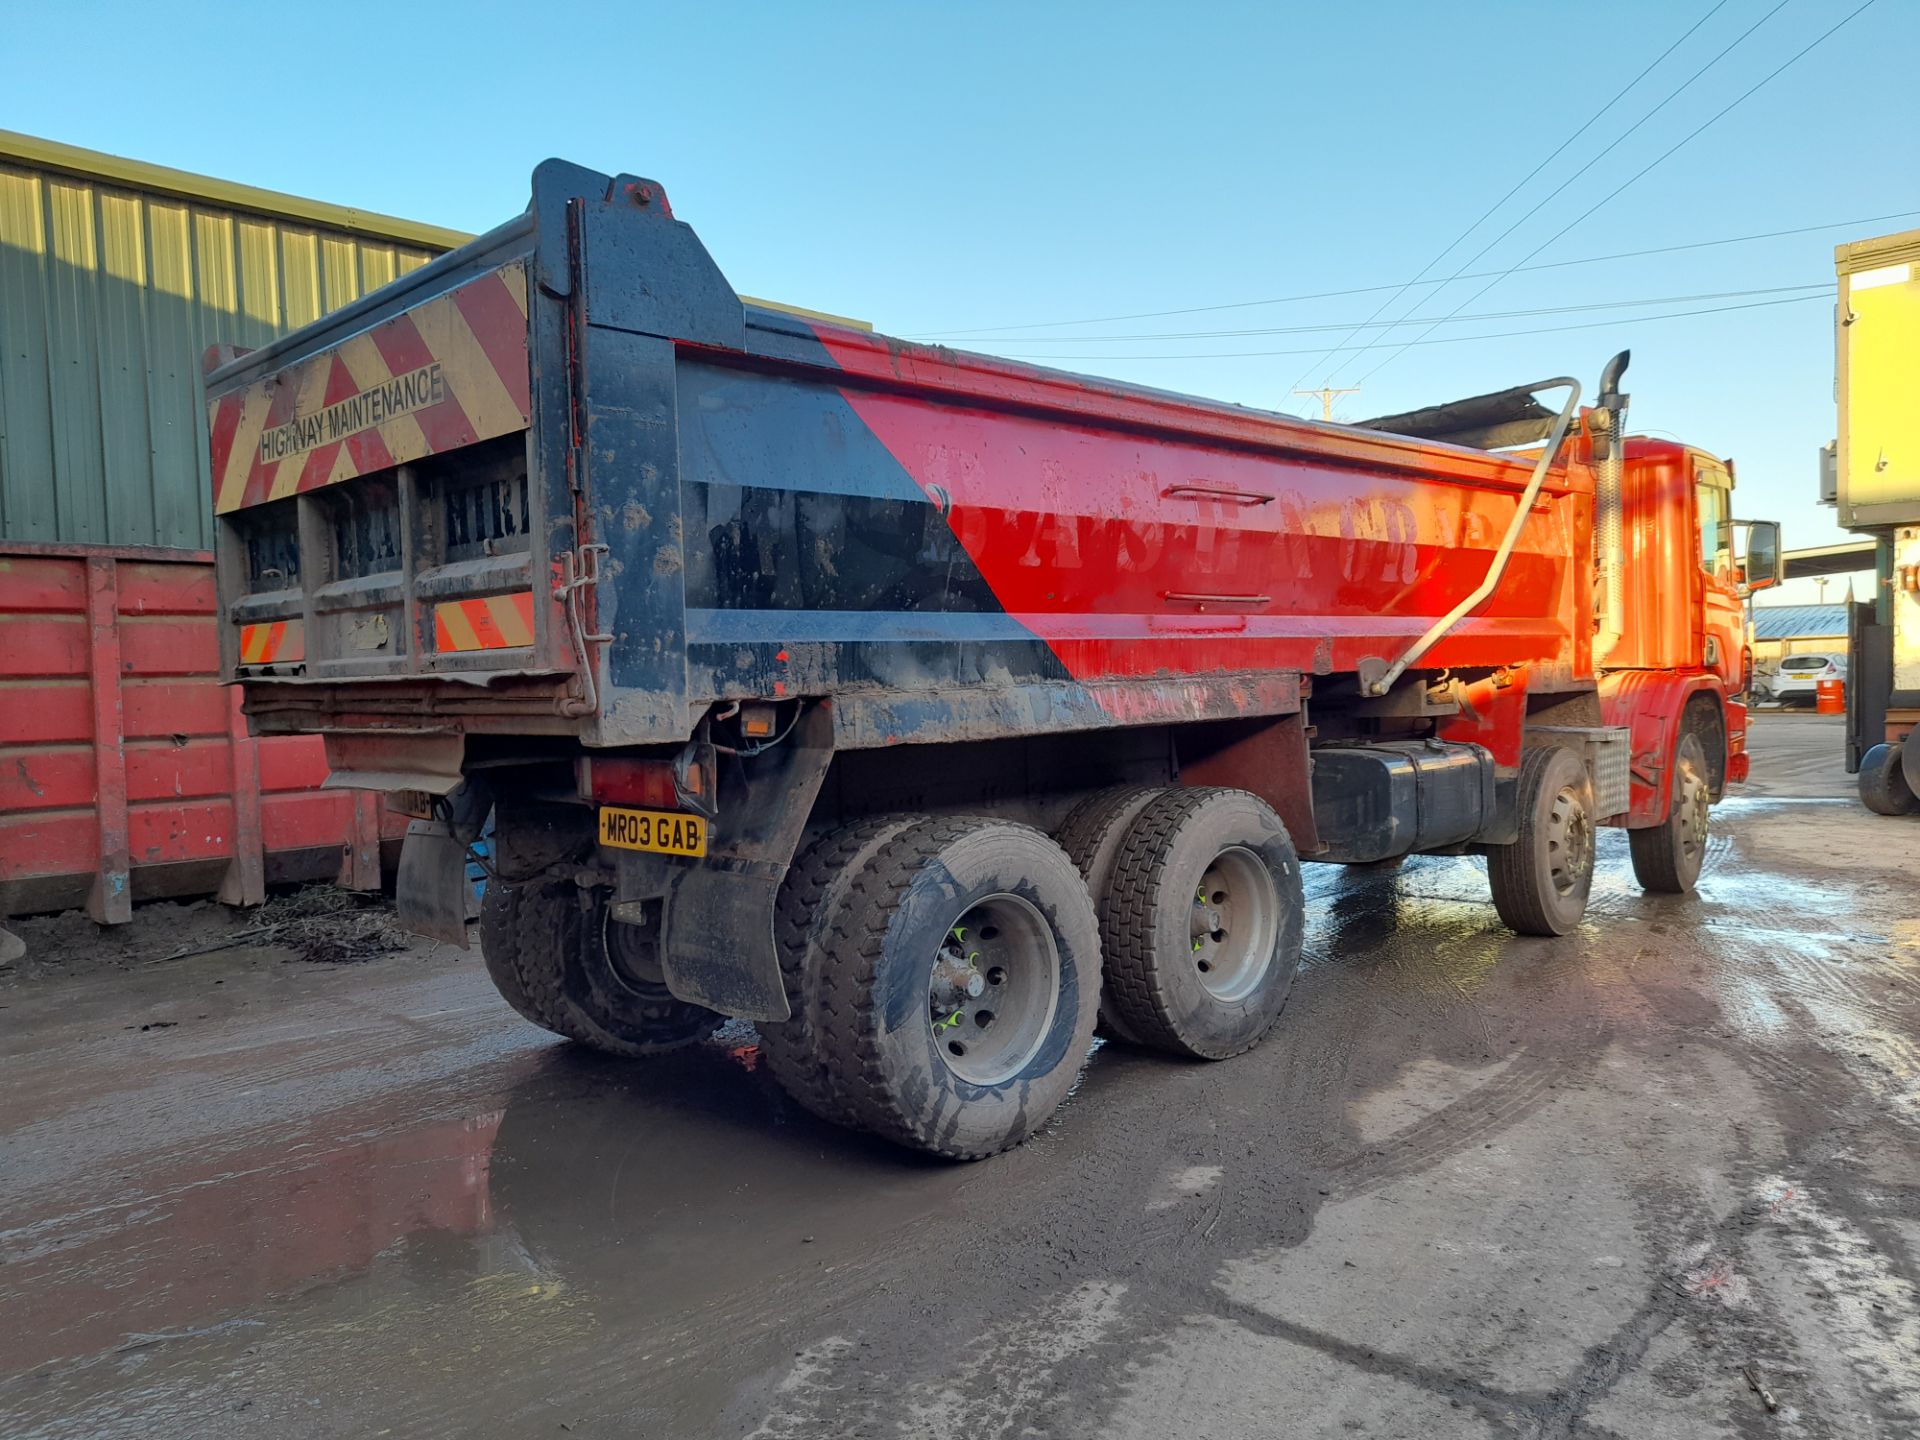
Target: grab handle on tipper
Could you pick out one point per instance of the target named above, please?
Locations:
(1491, 581)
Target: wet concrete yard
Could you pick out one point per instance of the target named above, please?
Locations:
(1659, 1179)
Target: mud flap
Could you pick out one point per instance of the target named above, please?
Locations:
(430, 895)
(723, 955)
(719, 949)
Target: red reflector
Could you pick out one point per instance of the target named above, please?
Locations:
(647, 783)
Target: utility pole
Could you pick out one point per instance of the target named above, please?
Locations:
(1326, 394)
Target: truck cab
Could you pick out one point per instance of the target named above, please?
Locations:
(1685, 602)
(1683, 621)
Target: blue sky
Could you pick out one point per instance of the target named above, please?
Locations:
(934, 169)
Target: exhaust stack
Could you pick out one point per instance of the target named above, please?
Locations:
(1609, 427)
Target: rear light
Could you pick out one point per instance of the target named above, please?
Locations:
(684, 782)
(647, 783)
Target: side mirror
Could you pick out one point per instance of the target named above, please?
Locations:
(1765, 566)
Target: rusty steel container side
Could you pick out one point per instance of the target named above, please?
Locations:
(126, 770)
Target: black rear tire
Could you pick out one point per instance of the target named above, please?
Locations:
(1541, 881)
(1091, 835)
(887, 1063)
(1202, 923)
(1667, 856)
(574, 972)
(814, 889)
(1883, 782)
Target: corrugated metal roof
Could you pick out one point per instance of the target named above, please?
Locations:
(1799, 622)
(109, 295)
(32, 153)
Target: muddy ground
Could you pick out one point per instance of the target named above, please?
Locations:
(1659, 1179)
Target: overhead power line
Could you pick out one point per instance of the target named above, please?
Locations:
(1527, 179)
(1825, 294)
(988, 331)
(1825, 286)
(1575, 175)
(1657, 160)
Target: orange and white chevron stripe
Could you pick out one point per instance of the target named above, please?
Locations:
(444, 374)
(497, 622)
(275, 641)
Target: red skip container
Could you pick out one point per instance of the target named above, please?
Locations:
(126, 770)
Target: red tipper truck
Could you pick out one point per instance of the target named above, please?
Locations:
(922, 706)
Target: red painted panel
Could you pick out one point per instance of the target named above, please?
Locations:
(308, 817)
(166, 589)
(170, 645)
(40, 712)
(162, 770)
(159, 832)
(160, 708)
(293, 762)
(36, 583)
(46, 779)
(36, 843)
(43, 645)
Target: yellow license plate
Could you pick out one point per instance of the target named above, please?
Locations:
(666, 831)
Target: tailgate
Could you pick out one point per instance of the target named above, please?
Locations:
(371, 476)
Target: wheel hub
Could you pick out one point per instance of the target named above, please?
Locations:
(634, 957)
(1234, 923)
(992, 990)
(1694, 804)
(1569, 841)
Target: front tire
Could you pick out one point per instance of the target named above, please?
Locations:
(579, 974)
(1667, 856)
(1202, 923)
(1541, 881)
(957, 988)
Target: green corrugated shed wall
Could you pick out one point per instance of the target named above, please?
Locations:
(114, 278)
